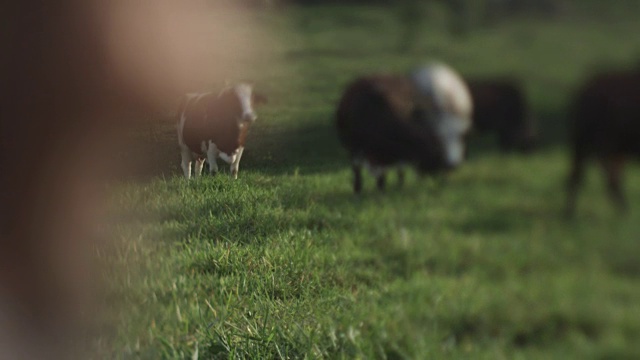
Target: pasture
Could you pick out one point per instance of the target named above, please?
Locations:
(286, 262)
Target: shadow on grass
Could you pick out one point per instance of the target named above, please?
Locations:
(545, 330)
(314, 147)
(309, 149)
(495, 222)
(552, 133)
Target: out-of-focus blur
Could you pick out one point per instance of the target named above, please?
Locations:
(501, 107)
(605, 126)
(75, 75)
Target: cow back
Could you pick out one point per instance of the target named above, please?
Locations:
(213, 118)
(378, 118)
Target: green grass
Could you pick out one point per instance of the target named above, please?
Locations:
(286, 262)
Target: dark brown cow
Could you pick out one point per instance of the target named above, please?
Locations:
(606, 126)
(387, 120)
(500, 107)
(216, 125)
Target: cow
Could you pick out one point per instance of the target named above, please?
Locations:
(605, 124)
(216, 125)
(420, 119)
(500, 106)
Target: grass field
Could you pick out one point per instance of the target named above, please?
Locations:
(286, 262)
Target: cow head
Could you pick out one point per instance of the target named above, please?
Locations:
(447, 108)
(244, 92)
(247, 98)
(446, 148)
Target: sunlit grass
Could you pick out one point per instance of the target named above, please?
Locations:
(286, 262)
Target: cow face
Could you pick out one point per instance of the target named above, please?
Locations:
(244, 92)
(449, 105)
(451, 131)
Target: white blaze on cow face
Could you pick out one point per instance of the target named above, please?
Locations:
(452, 134)
(245, 94)
(453, 106)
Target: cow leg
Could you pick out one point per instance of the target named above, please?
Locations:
(235, 164)
(381, 180)
(185, 153)
(356, 166)
(401, 177)
(357, 178)
(379, 173)
(573, 183)
(613, 167)
(199, 164)
(212, 156)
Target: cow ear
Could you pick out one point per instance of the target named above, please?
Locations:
(259, 98)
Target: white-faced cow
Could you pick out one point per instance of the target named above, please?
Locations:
(386, 120)
(606, 126)
(216, 125)
(446, 98)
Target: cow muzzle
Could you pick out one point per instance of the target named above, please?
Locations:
(249, 117)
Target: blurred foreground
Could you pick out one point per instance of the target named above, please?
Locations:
(76, 76)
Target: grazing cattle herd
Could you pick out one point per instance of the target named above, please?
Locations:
(422, 119)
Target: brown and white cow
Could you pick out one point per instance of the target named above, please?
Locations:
(214, 125)
(386, 120)
(500, 107)
(606, 126)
